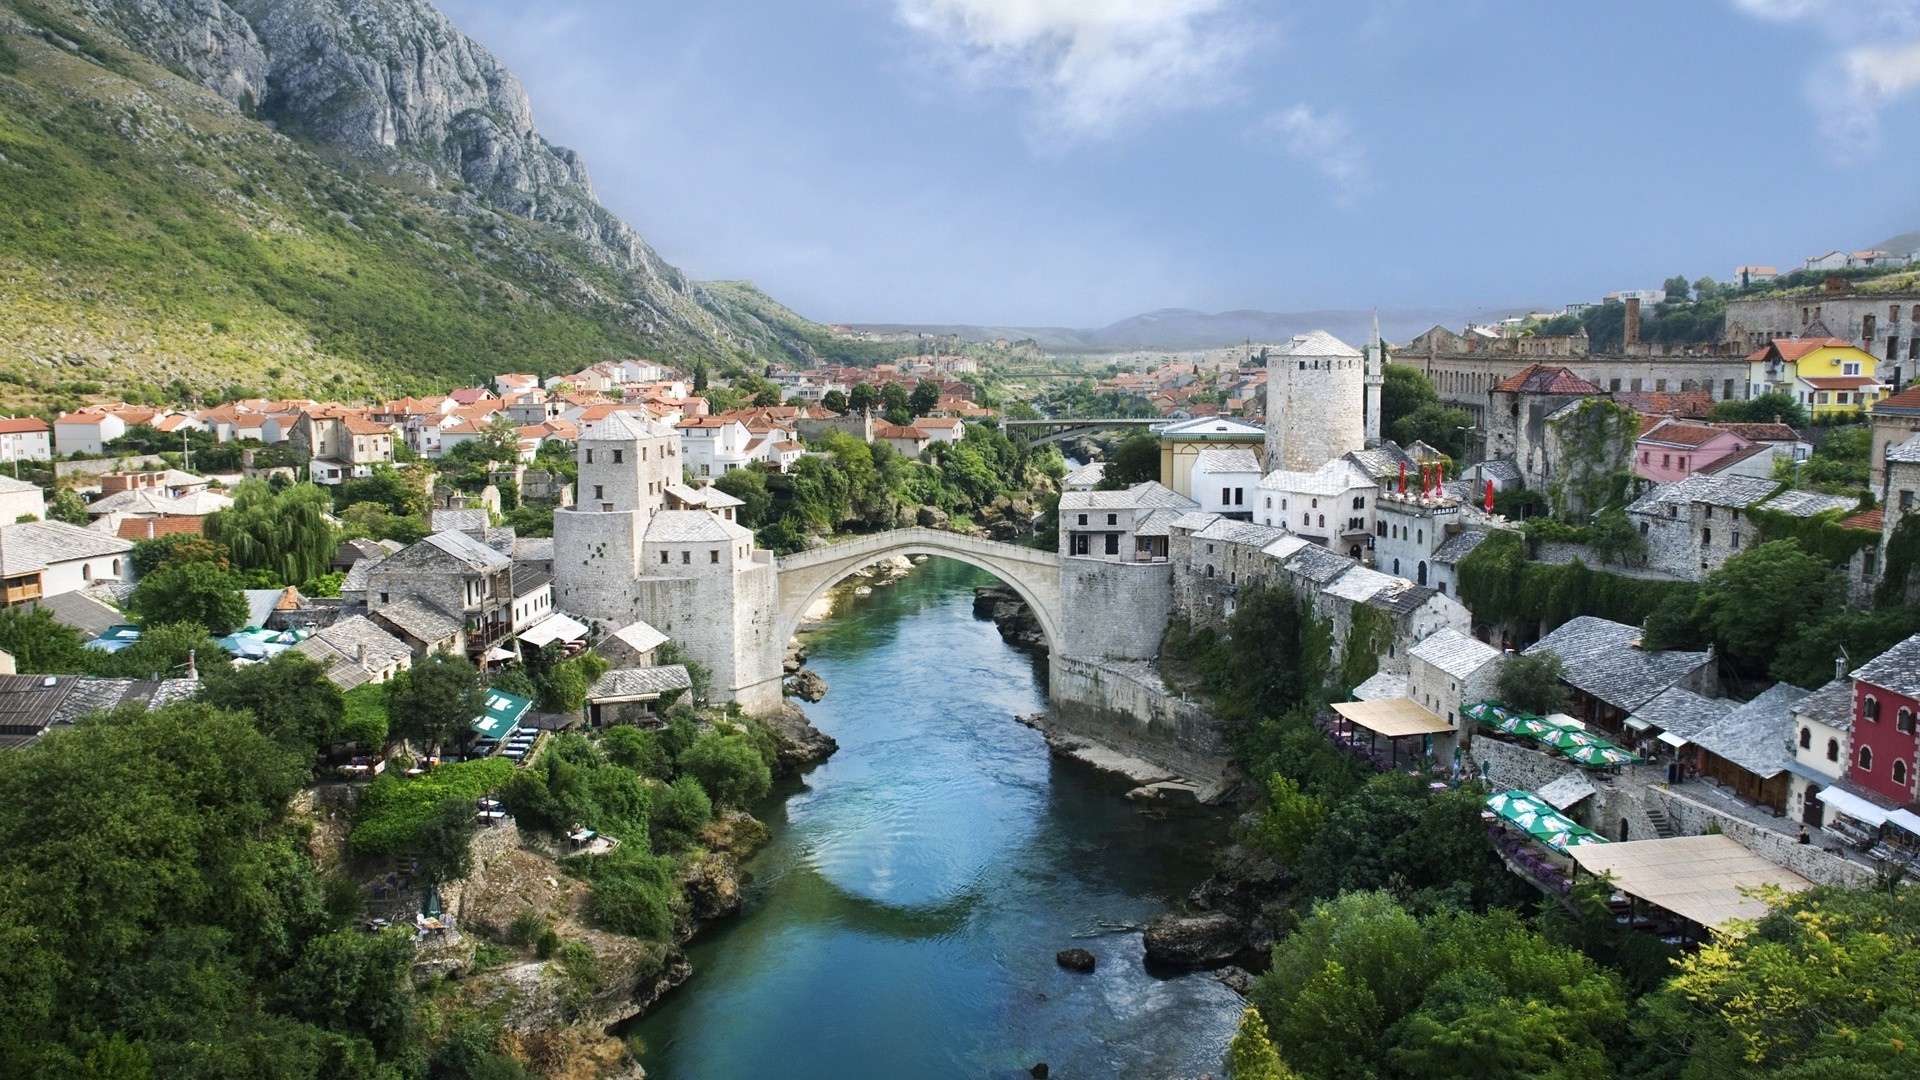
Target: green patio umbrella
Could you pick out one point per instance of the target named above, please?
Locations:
(1602, 756)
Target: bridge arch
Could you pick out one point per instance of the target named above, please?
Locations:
(806, 576)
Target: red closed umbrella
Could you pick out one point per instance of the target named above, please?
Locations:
(1489, 496)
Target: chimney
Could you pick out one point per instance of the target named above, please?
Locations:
(1839, 667)
(360, 654)
(1633, 321)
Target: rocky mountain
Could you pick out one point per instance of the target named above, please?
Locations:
(350, 188)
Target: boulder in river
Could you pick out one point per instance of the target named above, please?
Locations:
(807, 685)
(1075, 960)
(1194, 940)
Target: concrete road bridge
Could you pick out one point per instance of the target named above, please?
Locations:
(1060, 429)
(805, 576)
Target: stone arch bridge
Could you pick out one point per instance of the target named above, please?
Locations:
(806, 575)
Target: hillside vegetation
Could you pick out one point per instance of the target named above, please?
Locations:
(152, 231)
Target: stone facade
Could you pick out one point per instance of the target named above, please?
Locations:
(1316, 402)
(1887, 325)
(1113, 610)
(1126, 707)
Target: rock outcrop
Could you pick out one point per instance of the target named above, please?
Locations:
(1201, 940)
(807, 685)
(800, 743)
(1018, 625)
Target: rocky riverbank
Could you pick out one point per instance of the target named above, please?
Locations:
(557, 999)
(1018, 625)
(1229, 922)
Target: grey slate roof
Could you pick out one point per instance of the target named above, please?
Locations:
(419, 619)
(1601, 659)
(627, 683)
(1359, 584)
(36, 545)
(1831, 705)
(1500, 471)
(1755, 736)
(1156, 523)
(1317, 343)
(1383, 461)
(639, 636)
(1907, 452)
(459, 520)
(692, 527)
(1402, 597)
(1193, 520)
(1567, 790)
(533, 549)
(1897, 669)
(1227, 530)
(526, 582)
(82, 612)
(1086, 475)
(1317, 564)
(1146, 495)
(1682, 712)
(623, 426)
(1700, 488)
(358, 575)
(1806, 503)
(1381, 686)
(1454, 652)
(1459, 546)
(1228, 460)
(29, 706)
(474, 553)
(337, 649)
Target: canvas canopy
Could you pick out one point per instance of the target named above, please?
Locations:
(1706, 879)
(1853, 806)
(1396, 719)
(555, 627)
(502, 715)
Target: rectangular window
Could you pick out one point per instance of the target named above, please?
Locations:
(1706, 537)
(1083, 519)
(589, 457)
(619, 457)
(1113, 519)
(1113, 543)
(1226, 498)
(664, 557)
(714, 556)
(599, 491)
(686, 558)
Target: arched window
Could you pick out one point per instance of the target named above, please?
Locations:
(1899, 772)
(86, 571)
(1421, 575)
(1903, 720)
(1806, 738)
(1870, 707)
(1323, 521)
(1866, 759)
(1833, 749)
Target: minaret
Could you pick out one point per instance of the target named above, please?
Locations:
(1376, 379)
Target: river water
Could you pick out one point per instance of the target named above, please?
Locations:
(903, 920)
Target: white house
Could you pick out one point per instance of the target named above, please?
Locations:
(1331, 506)
(712, 446)
(1822, 737)
(1226, 481)
(51, 558)
(25, 438)
(20, 499)
(942, 428)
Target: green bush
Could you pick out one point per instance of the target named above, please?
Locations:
(394, 808)
(366, 716)
(633, 891)
(728, 766)
(644, 752)
(680, 811)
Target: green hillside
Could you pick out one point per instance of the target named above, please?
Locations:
(151, 232)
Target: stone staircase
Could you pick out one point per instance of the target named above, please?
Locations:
(1662, 827)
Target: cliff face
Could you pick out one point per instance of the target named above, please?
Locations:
(395, 84)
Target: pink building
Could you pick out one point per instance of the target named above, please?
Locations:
(1674, 449)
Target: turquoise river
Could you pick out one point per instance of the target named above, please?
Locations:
(902, 922)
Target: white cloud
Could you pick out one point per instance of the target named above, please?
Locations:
(1091, 65)
(1324, 141)
(1874, 59)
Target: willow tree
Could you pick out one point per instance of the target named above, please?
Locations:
(288, 532)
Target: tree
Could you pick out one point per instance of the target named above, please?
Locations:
(1404, 389)
(39, 645)
(150, 555)
(863, 397)
(749, 485)
(834, 401)
(1677, 287)
(400, 493)
(924, 397)
(445, 842)
(68, 506)
(893, 401)
(728, 766)
(1290, 821)
(1532, 683)
(1251, 1055)
(355, 982)
(1443, 428)
(437, 697)
(1615, 539)
(1135, 460)
(191, 592)
(164, 651)
(285, 532)
(1770, 407)
(1757, 600)
(289, 697)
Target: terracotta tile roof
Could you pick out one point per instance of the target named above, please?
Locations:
(149, 528)
(1905, 399)
(1721, 465)
(1839, 382)
(891, 431)
(1681, 433)
(21, 424)
(1688, 404)
(1874, 520)
(360, 426)
(1795, 348)
(1762, 432)
(1541, 379)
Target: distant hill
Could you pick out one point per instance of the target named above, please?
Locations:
(1182, 328)
(1905, 244)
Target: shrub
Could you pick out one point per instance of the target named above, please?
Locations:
(633, 891)
(644, 752)
(728, 766)
(680, 811)
(394, 808)
(366, 715)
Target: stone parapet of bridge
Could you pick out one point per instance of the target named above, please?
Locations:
(805, 576)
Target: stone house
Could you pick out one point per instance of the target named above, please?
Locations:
(1331, 506)
(1694, 525)
(1610, 675)
(636, 645)
(51, 558)
(632, 695)
(1748, 750)
(1222, 480)
(446, 578)
(1895, 420)
(1102, 524)
(355, 650)
(1448, 671)
(1822, 748)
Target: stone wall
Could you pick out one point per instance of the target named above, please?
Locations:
(594, 562)
(1126, 707)
(1113, 609)
(1691, 817)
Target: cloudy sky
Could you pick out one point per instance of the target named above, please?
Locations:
(1072, 162)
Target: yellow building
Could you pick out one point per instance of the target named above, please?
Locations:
(1182, 441)
(1831, 377)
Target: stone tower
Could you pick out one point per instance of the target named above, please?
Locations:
(1376, 382)
(626, 463)
(1316, 402)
